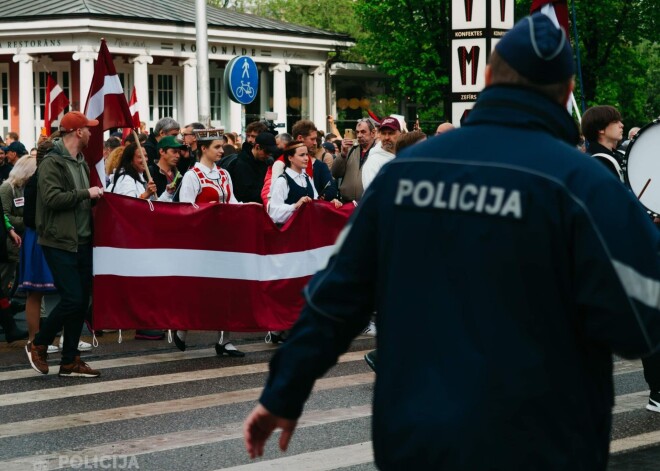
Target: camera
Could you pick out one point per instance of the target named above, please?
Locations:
(269, 120)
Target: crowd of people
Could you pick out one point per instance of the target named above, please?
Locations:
(174, 163)
(193, 164)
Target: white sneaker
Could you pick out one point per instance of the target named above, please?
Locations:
(53, 349)
(370, 329)
(82, 346)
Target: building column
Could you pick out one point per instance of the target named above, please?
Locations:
(26, 118)
(279, 93)
(190, 106)
(86, 56)
(235, 117)
(141, 81)
(264, 90)
(319, 110)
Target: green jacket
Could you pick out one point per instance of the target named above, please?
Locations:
(14, 215)
(59, 199)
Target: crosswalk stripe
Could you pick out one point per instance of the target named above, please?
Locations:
(14, 429)
(636, 441)
(174, 441)
(139, 360)
(627, 366)
(631, 402)
(96, 387)
(322, 460)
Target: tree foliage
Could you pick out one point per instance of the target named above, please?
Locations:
(409, 40)
(612, 35)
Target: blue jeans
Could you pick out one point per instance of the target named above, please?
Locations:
(72, 273)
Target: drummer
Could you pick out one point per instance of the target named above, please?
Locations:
(602, 127)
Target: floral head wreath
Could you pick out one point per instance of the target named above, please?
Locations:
(208, 134)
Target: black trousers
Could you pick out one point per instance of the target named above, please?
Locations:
(652, 371)
(72, 273)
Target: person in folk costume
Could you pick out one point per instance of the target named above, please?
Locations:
(206, 183)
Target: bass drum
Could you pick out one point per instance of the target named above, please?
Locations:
(641, 166)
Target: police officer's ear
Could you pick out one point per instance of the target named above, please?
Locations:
(488, 75)
(569, 90)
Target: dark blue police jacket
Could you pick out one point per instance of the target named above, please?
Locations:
(505, 267)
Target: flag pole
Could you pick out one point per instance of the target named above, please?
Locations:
(144, 159)
(577, 52)
(575, 107)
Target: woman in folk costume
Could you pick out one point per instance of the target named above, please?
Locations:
(206, 183)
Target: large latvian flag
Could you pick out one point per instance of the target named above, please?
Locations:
(206, 266)
(133, 108)
(107, 104)
(56, 103)
(557, 10)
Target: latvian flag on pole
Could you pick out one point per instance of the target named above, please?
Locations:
(56, 103)
(132, 106)
(106, 103)
(557, 10)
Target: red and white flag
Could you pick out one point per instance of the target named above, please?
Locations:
(106, 102)
(206, 267)
(557, 10)
(133, 108)
(56, 103)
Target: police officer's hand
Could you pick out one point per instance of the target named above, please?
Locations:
(95, 192)
(303, 200)
(258, 427)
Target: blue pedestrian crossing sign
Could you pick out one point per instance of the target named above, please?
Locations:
(242, 79)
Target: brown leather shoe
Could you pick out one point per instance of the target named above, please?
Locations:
(78, 369)
(38, 356)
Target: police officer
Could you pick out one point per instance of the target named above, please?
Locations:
(505, 243)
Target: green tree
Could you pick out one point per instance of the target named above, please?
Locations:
(409, 40)
(619, 50)
(330, 15)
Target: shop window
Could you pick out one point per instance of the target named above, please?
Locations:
(162, 96)
(216, 97)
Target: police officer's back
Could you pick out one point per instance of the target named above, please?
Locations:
(504, 242)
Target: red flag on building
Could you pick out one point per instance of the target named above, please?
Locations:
(133, 108)
(56, 103)
(557, 10)
(239, 273)
(106, 103)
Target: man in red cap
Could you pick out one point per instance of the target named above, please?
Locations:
(388, 133)
(64, 225)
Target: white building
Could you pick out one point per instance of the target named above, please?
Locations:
(153, 46)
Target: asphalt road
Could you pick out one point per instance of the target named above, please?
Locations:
(155, 408)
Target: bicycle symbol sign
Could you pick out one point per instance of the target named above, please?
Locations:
(242, 80)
